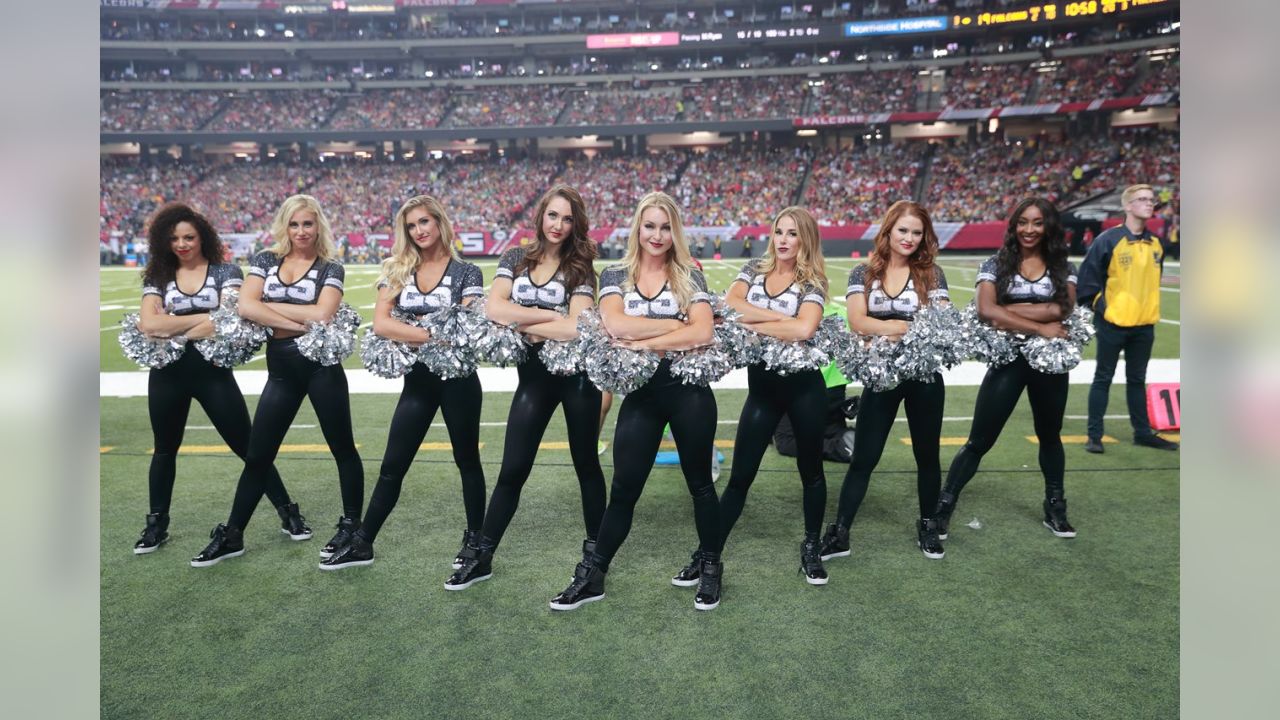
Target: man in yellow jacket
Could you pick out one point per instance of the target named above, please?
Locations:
(1120, 281)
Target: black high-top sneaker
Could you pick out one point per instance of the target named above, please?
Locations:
(811, 560)
(469, 537)
(587, 586)
(227, 542)
(928, 540)
(1055, 517)
(835, 542)
(946, 506)
(346, 528)
(477, 566)
(292, 523)
(356, 553)
(689, 574)
(708, 597)
(153, 535)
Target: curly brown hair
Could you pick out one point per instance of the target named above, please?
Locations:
(162, 263)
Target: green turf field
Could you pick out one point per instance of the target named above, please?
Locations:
(122, 291)
(1013, 623)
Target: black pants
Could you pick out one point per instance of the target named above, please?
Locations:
(691, 412)
(876, 413)
(169, 394)
(1136, 343)
(290, 378)
(802, 397)
(459, 399)
(538, 395)
(997, 398)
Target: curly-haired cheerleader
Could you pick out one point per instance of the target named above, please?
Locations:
(185, 252)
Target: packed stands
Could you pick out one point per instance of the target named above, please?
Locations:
(1088, 77)
(858, 185)
(607, 106)
(506, 106)
(155, 110)
(866, 92)
(978, 85)
(730, 187)
(263, 110)
(770, 96)
(610, 186)
(401, 108)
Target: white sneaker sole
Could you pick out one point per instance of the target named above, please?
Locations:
(684, 583)
(353, 563)
(574, 606)
(842, 553)
(705, 606)
(1057, 533)
(146, 550)
(933, 556)
(816, 581)
(469, 583)
(215, 561)
(296, 538)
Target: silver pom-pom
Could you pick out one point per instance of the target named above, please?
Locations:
(739, 342)
(872, 361)
(562, 357)
(786, 358)
(456, 331)
(702, 366)
(931, 345)
(1061, 355)
(501, 344)
(832, 337)
(385, 357)
(148, 352)
(985, 343)
(235, 340)
(611, 368)
(329, 343)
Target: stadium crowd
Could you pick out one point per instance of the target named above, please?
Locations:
(263, 110)
(405, 108)
(855, 185)
(592, 106)
(866, 92)
(740, 187)
(506, 106)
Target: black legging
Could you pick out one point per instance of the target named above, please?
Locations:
(459, 399)
(876, 413)
(997, 398)
(803, 398)
(290, 378)
(537, 396)
(691, 412)
(169, 394)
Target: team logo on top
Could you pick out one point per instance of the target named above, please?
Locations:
(787, 303)
(664, 305)
(413, 299)
(303, 291)
(550, 295)
(179, 302)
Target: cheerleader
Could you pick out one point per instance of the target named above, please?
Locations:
(903, 259)
(782, 294)
(423, 275)
(655, 300)
(542, 289)
(185, 252)
(289, 285)
(1010, 299)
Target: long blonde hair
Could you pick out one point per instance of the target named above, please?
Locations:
(325, 247)
(405, 256)
(811, 268)
(680, 265)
